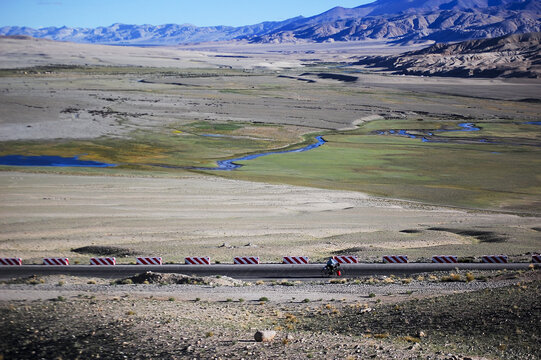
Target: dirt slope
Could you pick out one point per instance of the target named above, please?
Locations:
(507, 56)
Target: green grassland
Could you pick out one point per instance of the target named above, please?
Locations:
(488, 176)
(473, 175)
(176, 146)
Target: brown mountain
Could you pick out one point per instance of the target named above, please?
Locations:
(406, 21)
(399, 21)
(516, 55)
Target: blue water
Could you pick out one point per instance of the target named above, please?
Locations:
(231, 164)
(533, 123)
(57, 161)
(213, 135)
(465, 127)
(405, 133)
(462, 126)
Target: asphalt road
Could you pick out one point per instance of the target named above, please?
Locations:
(262, 271)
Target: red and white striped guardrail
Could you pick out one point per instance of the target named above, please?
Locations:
(103, 261)
(246, 260)
(346, 259)
(197, 260)
(149, 261)
(11, 261)
(395, 259)
(295, 260)
(445, 259)
(56, 261)
(494, 259)
(249, 260)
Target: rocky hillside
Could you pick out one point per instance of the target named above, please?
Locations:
(414, 21)
(507, 56)
(392, 20)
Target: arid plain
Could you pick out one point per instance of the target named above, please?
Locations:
(411, 165)
(148, 110)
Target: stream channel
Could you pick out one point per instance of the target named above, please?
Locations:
(58, 161)
(231, 164)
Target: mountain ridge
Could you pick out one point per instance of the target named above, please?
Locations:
(397, 21)
(414, 21)
(146, 34)
(517, 55)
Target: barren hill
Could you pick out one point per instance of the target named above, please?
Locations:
(507, 56)
(414, 21)
(391, 20)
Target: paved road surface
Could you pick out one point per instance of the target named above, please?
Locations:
(262, 271)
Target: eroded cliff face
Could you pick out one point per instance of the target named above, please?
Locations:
(508, 56)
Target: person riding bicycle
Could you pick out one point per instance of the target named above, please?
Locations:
(332, 264)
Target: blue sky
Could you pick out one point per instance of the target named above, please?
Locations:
(93, 13)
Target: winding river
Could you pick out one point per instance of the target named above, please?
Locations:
(58, 161)
(462, 127)
(231, 164)
(431, 136)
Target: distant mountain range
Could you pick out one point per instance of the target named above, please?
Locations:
(400, 21)
(517, 55)
(169, 34)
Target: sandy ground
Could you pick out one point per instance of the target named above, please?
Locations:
(270, 56)
(49, 104)
(48, 215)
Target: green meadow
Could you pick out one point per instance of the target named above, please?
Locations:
(466, 176)
(472, 175)
(497, 176)
(174, 146)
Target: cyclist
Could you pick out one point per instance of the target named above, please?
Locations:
(332, 265)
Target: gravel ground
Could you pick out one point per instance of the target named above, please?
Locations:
(499, 322)
(220, 288)
(67, 318)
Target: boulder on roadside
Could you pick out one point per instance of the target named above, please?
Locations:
(264, 336)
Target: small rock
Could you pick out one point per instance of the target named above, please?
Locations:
(264, 336)
(421, 334)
